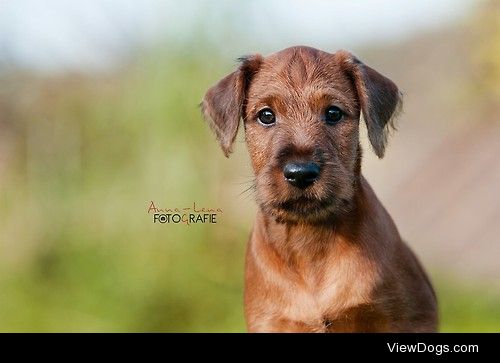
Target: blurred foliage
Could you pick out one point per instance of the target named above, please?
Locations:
(82, 157)
(486, 53)
(466, 308)
(86, 157)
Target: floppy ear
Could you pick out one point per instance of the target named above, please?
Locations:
(379, 98)
(223, 104)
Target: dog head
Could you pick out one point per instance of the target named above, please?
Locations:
(301, 109)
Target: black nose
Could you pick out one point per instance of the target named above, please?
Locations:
(301, 175)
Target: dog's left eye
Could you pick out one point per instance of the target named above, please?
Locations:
(333, 114)
(266, 117)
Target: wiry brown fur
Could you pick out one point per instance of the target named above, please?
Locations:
(328, 257)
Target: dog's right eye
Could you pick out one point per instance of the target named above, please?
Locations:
(266, 117)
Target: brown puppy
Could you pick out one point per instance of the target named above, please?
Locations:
(324, 255)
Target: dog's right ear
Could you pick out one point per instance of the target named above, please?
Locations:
(223, 103)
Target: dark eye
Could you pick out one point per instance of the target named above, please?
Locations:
(333, 115)
(266, 117)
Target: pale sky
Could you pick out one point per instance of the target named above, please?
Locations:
(98, 34)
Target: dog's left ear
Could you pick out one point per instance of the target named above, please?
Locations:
(379, 98)
(223, 104)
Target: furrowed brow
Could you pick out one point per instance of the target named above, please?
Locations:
(334, 96)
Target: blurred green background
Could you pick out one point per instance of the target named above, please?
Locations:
(85, 149)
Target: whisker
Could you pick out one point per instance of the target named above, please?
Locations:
(244, 182)
(248, 191)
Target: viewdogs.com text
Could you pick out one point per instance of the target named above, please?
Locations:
(187, 215)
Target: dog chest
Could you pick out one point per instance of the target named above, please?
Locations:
(332, 295)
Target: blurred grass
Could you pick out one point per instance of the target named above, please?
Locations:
(466, 308)
(83, 159)
(86, 157)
